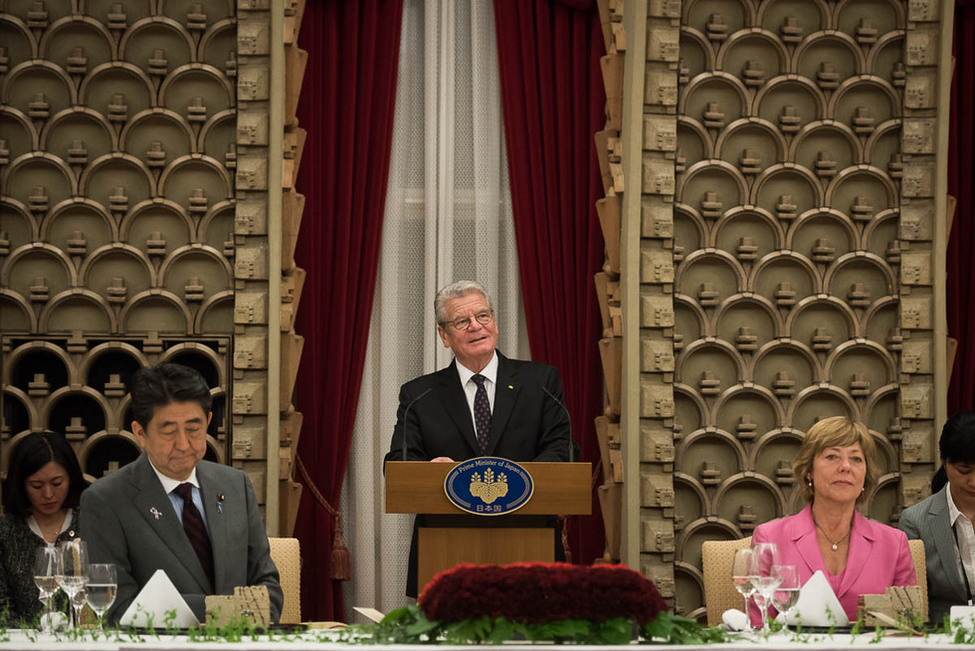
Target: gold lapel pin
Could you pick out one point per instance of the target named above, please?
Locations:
(510, 387)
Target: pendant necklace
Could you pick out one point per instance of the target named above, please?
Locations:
(834, 545)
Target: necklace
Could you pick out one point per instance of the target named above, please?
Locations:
(834, 544)
(49, 530)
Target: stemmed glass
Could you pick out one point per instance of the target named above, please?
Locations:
(741, 566)
(73, 573)
(765, 556)
(101, 589)
(786, 596)
(45, 577)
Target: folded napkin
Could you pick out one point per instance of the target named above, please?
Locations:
(818, 605)
(157, 597)
(964, 616)
(735, 620)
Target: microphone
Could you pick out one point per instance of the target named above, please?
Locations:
(406, 415)
(568, 418)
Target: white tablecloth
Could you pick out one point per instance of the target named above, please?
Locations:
(16, 639)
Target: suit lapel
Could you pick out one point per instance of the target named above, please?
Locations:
(944, 543)
(804, 535)
(505, 395)
(454, 401)
(216, 522)
(153, 504)
(861, 544)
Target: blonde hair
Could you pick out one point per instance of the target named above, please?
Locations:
(837, 431)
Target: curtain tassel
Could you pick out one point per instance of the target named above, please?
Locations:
(340, 567)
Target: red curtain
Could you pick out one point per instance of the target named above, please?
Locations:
(553, 101)
(961, 184)
(346, 106)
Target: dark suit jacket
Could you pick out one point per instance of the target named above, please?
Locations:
(928, 521)
(128, 520)
(526, 425)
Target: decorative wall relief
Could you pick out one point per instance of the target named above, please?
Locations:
(787, 265)
(118, 157)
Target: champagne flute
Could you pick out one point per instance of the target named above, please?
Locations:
(45, 576)
(73, 573)
(786, 596)
(101, 588)
(741, 574)
(765, 556)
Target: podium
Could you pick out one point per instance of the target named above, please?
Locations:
(448, 536)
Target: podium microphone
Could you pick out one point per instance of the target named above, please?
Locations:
(568, 418)
(406, 415)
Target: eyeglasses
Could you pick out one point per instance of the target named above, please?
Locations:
(464, 323)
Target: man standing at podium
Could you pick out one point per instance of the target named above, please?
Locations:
(482, 404)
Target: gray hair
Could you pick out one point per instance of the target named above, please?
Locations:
(458, 289)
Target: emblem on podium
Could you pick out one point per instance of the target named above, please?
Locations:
(488, 486)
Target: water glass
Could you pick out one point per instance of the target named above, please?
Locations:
(73, 573)
(741, 574)
(786, 596)
(765, 556)
(101, 588)
(45, 576)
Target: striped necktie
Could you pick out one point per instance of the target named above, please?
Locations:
(195, 529)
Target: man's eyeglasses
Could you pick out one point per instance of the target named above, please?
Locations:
(483, 318)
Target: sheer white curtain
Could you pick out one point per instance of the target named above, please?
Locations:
(448, 217)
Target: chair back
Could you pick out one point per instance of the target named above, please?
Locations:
(286, 554)
(921, 572)
(720, 593)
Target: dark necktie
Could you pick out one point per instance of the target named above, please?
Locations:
(195, 530)
(482, 413)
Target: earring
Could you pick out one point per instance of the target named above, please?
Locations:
(809, 483)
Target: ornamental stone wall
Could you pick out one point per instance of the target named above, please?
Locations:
(781, 262)
(139, 222)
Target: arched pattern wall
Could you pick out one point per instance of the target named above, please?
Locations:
(135, 220)
(791, 210)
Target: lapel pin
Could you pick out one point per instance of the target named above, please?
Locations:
(155, 512)
(220, 498)
(510, 387)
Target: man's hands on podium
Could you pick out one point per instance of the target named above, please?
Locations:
(442, 460)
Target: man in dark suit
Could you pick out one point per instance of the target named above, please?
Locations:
(482, 404)
(196, 520)
(944, 521)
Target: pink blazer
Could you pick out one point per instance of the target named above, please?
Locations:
(879, 556)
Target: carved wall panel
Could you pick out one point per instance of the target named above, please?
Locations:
(786, 258)
(610, 489)
(119, 176)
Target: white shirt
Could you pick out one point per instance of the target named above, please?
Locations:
(965, 537)
(470, 387)
(169, 485)
(65, 525)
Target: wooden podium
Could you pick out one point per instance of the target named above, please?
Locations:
(451, 536)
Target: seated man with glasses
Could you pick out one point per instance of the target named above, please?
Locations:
(482, 404)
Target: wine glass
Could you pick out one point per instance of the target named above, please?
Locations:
(741, 574)
(45, 576)
(73, 573)
(765, 556)
(786, 596)
(101, 588)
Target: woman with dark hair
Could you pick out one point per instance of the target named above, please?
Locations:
(40, 501)
(944, 520)
(835, 468)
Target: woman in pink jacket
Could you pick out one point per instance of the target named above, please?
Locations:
(835, 468)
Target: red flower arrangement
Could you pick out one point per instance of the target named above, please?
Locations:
(541, 592)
